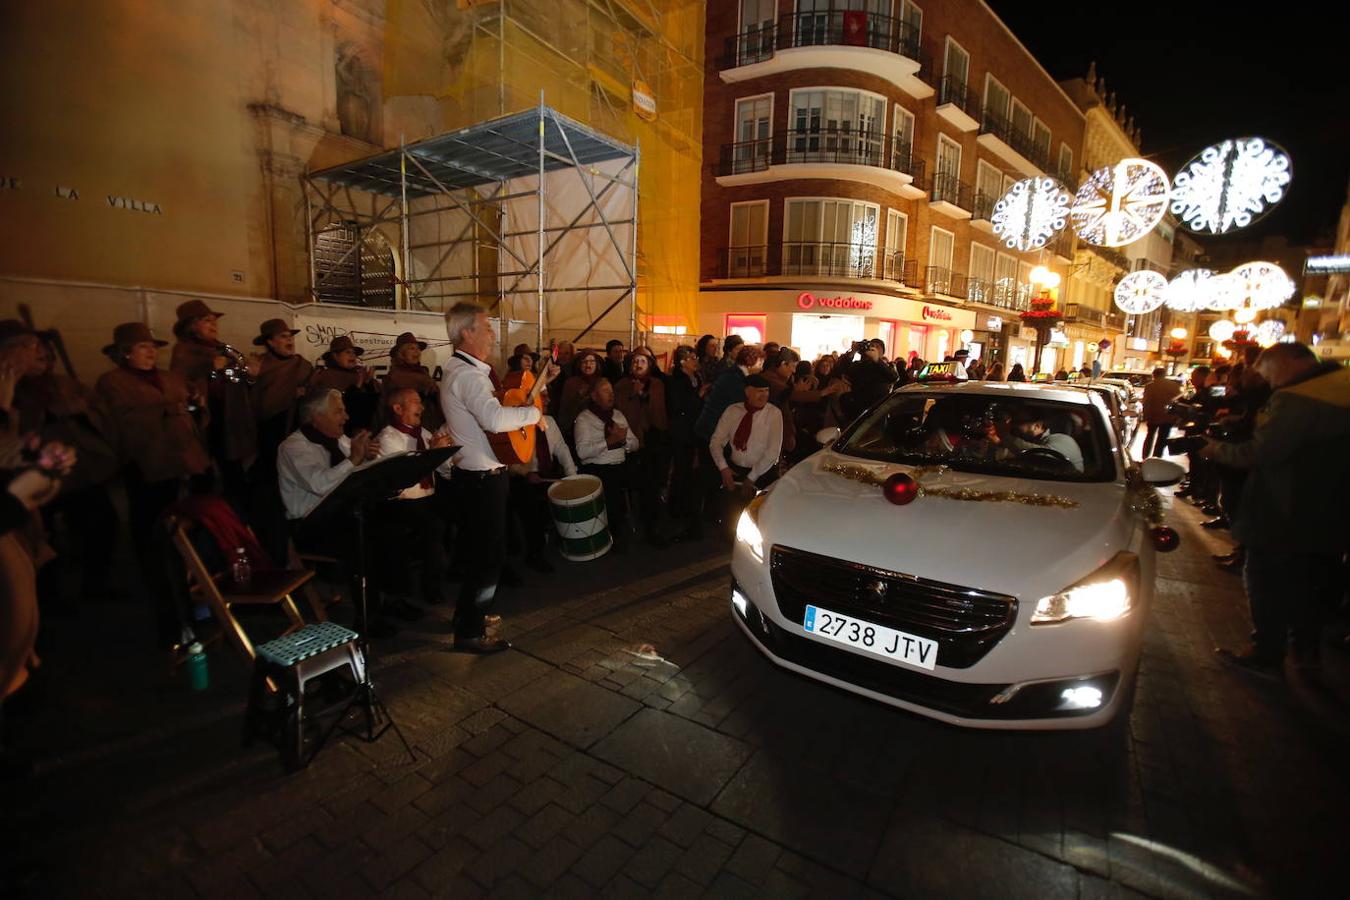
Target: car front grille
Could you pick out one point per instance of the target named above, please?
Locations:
(964, 621)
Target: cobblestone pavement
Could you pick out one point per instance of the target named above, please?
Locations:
(635, 744)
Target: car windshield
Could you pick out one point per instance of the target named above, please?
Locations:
(1014, 436)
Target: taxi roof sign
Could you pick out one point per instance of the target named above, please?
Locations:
(949, 371)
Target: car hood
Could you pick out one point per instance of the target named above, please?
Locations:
(997, 545)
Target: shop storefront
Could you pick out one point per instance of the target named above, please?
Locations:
(816, 324)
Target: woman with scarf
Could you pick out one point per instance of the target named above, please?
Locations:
(685, 390)
(708, 351)
(576, 391)
(641, 397)
(232, 431)
(407, 372)
(358, 386)
(161, 449)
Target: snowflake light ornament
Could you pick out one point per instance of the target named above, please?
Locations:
(1032, 212)
(1141, 292)
(1262, 285)
(1119, 204)
(1221, 293)
(1230, 185)
(1190, 290)
(1269, 332)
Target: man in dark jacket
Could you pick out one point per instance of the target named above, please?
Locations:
(871, 378)
(1292, 517)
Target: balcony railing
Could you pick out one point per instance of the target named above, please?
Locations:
(984, 206)
(1001, 294)
(862, 148)
(750, 261)
(955, 91)
(835, 258)
(1078, 313)
(1001, 128)
(1114, 257)
(948, 187)
(895, 267)
(1114, 321)
(824, 28)
(940, 280)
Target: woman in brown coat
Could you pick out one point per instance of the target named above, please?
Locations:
(641, 398)
(576, 391)
(160, 446)
(406, 371)
(343, 372)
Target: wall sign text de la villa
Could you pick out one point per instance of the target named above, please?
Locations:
(63, 192)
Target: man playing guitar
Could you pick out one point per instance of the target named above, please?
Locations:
(479, 484)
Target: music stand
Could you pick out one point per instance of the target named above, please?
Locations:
(366, 486)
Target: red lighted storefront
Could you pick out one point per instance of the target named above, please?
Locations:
(818, 323)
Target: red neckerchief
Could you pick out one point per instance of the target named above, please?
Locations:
(741, 440)
(606, 416)
(415, 431)
(335, 454)
(148, 375)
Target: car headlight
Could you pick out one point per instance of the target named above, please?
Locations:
(747, 528)
(1108, 593)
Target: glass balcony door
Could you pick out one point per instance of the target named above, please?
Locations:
(837, 126)
(830, 237)
(754, 133)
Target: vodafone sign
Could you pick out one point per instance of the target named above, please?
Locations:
(807, 300)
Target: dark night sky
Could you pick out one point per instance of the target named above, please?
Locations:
(1193, 74)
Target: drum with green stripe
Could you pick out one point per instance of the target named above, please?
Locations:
(578, 507)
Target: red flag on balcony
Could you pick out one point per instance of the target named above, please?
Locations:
(855, 28)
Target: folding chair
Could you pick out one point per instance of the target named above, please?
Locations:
(266, 588)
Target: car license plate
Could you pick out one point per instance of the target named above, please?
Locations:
(878, 639)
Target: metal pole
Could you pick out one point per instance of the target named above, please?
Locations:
(403, 216)
(540, 248)
(309, 233)
(632, 249)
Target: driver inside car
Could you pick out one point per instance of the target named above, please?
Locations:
(1029, 434)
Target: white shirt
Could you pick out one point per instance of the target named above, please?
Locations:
(471, 410)
(391, 441)
(589, 434)
(305, 473)
(557, 447)
(761, 450)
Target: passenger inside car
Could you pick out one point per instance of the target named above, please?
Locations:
(1030, 436)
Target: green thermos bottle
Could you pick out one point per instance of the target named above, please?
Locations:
(196, 664)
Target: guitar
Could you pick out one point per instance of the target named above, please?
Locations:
(522, 388)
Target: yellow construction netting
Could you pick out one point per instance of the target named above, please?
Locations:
(480, 59)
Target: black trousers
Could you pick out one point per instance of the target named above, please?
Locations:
(651, 469)
(1155, 439)
(481, 500)
(146, 502)
(686, 495)
(410, 534)
(617, 479)
(529, 504)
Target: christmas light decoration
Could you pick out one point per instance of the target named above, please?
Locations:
(1222, 330)
(1222, 293)
(1230, 185)
(1271, 331)
(1189, 291)
(1033, 211)
(1120, 204)
(1141, 292)
(1261, 284)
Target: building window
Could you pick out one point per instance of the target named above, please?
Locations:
(829, 237)
(940, 247)
(836, 126)
(1066, 173)
(755, 37)
(748, 243)
(1021, 118)
(754, 134)
(988, 189)
(1005, 281)
(912, 16)
(956, 69)
(980, 286)
(897, 234)
(1040, 139)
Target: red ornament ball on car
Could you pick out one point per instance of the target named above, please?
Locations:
(901, 489)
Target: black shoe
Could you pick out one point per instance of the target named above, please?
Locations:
(1250, 660)
(1216, 522)
(1211, 509)
(481, 645)
(539, 564)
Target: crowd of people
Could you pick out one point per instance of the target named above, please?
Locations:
(241, 448)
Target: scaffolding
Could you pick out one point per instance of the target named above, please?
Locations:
(527, 207)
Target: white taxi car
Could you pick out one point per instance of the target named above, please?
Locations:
(1010, 593)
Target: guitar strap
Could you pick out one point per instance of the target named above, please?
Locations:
(491, 374)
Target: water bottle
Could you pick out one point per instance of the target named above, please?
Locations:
(241, 570)
(196, 664)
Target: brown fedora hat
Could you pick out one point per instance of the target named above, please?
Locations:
(195, 309)
(271, 328)
(129, 333)
(408, 337)
(344, 342)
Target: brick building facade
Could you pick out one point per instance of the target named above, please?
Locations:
(855, 149)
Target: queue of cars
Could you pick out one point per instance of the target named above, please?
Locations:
(1010, 593)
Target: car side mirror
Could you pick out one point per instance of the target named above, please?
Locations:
(827, 436)
(1156, 470)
